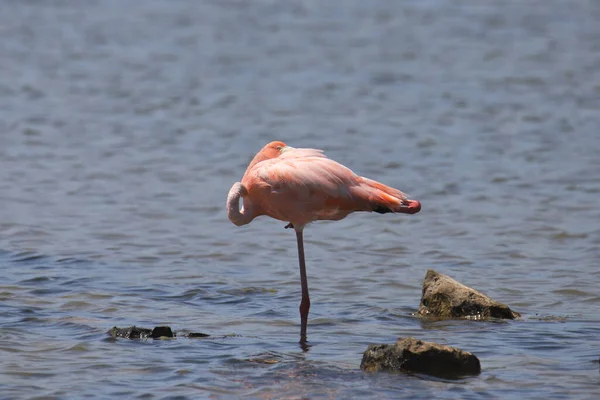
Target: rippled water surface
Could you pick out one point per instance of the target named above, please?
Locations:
(123, 124)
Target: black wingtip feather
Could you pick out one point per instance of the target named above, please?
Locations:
(382, 210)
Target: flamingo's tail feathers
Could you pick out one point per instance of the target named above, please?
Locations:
(383, 199)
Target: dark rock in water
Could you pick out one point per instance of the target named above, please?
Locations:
(443, 297)
(134, 332)
(197, 335)
(161, 331)
(417, 356)
(131, 332)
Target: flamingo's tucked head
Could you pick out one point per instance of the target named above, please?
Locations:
(273, 150)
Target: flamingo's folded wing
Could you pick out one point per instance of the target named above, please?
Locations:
(312, 175)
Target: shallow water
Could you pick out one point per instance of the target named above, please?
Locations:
(123, 126)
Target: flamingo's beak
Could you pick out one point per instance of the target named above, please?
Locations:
(286, 148)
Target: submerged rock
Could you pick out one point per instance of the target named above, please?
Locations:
(131, 332)
(134, 332)
(161, 331)
(418, 356)
(444, 297)
(197, 335)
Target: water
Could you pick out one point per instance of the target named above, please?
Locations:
(123, 125)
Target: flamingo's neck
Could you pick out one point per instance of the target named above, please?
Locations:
(237, 216)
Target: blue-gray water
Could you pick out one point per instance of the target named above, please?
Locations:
(123, 124)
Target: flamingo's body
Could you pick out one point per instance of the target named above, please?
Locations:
(300, 186)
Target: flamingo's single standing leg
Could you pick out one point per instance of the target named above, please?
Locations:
(305, 303)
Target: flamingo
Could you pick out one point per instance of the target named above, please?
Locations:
(300, 186)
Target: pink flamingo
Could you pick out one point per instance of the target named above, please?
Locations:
(300, 186)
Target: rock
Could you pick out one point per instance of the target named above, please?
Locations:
(197, 335)
(161, 331)
(443, 297)
(134, 332)
(131, 332)
(413, 355)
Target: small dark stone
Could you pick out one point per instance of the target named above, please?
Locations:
(197, 335)
(444, 297)
(417, 356)
(161, 331)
